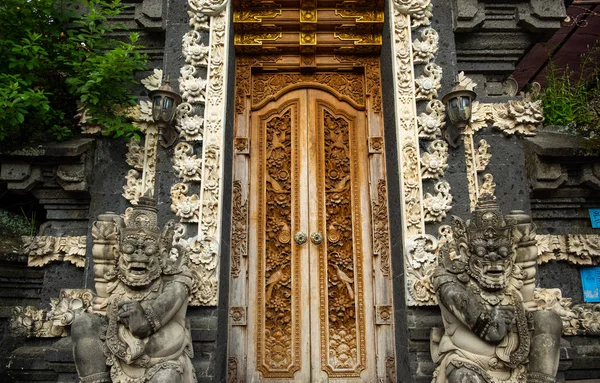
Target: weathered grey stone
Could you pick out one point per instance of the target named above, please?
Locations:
(492, 36)
(485, 312)
(144, 330)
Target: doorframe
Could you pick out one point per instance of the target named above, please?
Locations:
(247, 68)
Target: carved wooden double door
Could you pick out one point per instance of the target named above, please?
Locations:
(310, 314)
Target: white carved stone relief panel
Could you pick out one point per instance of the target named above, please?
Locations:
(42, 250)
(40, 323)
(142, 158)
(581, 319)
(419, 207)
(203, 207)
(577, 249)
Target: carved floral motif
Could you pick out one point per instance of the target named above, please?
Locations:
(32, 322)
(238, 316)
(239, 229)
(581, 319)
(428, 84)
(190, 127)
(198, 21)
(420, 256)
(437, 206)
(195, 54)
(434, 162)
(154, 81)
(431, 123)
(264, 86)
(278, 351)
(522, 117)
(186, 164)
(340, 269)
(381, 230)
(425, 49)
(193, 89)
(42, 250)
(184, 206)
(578, 249)
(384, 315)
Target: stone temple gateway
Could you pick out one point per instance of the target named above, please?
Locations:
(318, 218)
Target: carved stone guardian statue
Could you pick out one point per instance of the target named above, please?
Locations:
(491, 334)
(144, 336)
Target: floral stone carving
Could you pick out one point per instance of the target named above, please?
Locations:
(425, 49)
(32, 322)
(431, 123)
(42, 250)
(186, 164)
(144, 336)
(434, 162)
(437, 206)
(186, 207)
(420, 257)
(492, 329)
(577, 249)
(522, 116)
(581, 319)
(428, 84)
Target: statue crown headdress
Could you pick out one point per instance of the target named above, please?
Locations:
(487, 222)
(143, 217)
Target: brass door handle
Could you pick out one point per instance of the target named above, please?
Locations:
(300, 238)
(316, 238)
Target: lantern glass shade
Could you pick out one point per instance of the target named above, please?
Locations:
(164, 104)
(163, 108)
(458, 106)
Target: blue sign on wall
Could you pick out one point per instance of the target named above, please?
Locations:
(595, 218)
(590, 280)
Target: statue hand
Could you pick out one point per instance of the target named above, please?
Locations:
(132, 315)
(507, 313)
(501, 320)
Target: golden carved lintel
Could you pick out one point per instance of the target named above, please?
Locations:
(256, 38)
(255, 16)
(361, 15)
(360, 38)
(308, 38)
(308, 15)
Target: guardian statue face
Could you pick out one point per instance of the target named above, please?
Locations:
(139, 262)
(486, 245)
(490, 262)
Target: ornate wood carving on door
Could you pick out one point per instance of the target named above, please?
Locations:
(310, 288)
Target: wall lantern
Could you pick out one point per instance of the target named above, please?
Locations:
(164, 105)
(458, 108)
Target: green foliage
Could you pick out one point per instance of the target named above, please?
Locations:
(54, 60)
(572, 99)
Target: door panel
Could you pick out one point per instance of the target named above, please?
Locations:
(310, 304)
(279, 181)
(337, 280)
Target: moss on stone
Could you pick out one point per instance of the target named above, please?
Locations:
(12, 227)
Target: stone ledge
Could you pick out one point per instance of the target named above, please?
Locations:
(71, 148)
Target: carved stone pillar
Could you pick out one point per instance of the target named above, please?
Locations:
(526, 250)
(105, 235)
